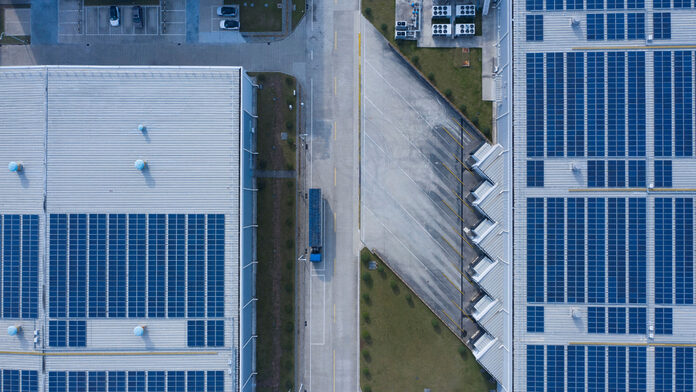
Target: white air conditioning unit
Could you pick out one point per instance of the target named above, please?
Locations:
(442, 11)
(464, 29)
(465, 10)
(442, 30)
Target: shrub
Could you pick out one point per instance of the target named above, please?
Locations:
(368, 12)
(366, 354)
(384, 27)
(462, 351)
(448, 94)
(367, 278)
(367, 388)
(366, 337)
(431, 77)
(366, 317)
(289, 81)
(416, 61)
(394, 286)
(366, 372)
(365, 257)
(366, 298)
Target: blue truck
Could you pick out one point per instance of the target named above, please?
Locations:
(316, 225)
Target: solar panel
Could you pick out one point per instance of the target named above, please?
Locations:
(663, 174)
(684, 369)
(57, 382)
(596, 177)
(535, 173)
(663, 251)
(574, 4)
(554, 104)
(682, 3)
(554, 5)
(57, 334)
(596, 274)
(96, 382)
(662, 3)
(535, 5)
(137, 264)
(595, 4)
(535, 368)
(575, 103)
(637, 369)
(637, 251)
(617, 174)
(97, 265)
(117, 382)
(535, 250)
(215, 381)
(176, 381)
(617, 320)
(663, 369)
(136, 381)
(616, 109)
(11, 252)
(535, 319)
(77, 333)
(663, 103)
(10, 380)
(683, 100)
(555, 249)
(637, 320)
(616, 25)
(615, 4)
(30, 266)
(176, 250)
(117, 265)
(617, 250)
(595, 104)
(535, 104)
(555, 369)
(636, 174)
(30, 381)
(617, 369)
(216, 333)
(156, 265)
(596, 319)
(636, 103)
(663, 321)
(196, 266)
(216, 264)
(595, 27)
(684, 250)
(77, 265)
(636, 26)
(575, 270)
(77, 382)
(635, 4)
(596, 368)
(156, 381)
(196, 333)
(576, 369)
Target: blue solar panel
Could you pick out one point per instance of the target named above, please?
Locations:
(58, 265)
(216, 333)
(595, 104)
(574, 4)
(576, 369)
(637, 252)
(682, 3)
(635, 4)
(535, 27)
(216, 381)
(683, 100)
(596, 319)
(684, 250)
(663, 369)
(1, 264)
(136, 381)
(57, 382)
(617, 250)
(535, 250)
(554, 104)
(615, 4)
(57, 334)
(30, 381)
(616, 26)
(11, 381)
(196, 265)
(596, 258)
(216, 265)
(77, 382)
(535, 173)
(617, 174)
(636, 174)
(637, 369)
(663, 251)
(77, 265)
(617, 320)
(595, 27)
(616, 110)
(555, 369)
(663, 321)
(535, 5)
(97, 265)
(575, 103)
(535, 319)
(96, 381)
(195, 381)
(636, 103)
(117, 382)
(137, 264)
(636, 26)
(176, 284)
(617, 369)
(11, 252)
(176, 381)
(596, 177)
(117, 265)
(535, 104)
(684, 369)
(196, 333)
(663, 103)
(555, 249)
(637, 320)
(596, 369)
(576, 250)
(663, 174)
(157, 267)
(535, 368)
(595, 4)
(662, 3)
(30, 266)
(156, 381)
(77, 333)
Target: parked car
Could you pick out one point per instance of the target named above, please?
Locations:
(138, 16)
(114, 16)
(227, 11)
(228, 24)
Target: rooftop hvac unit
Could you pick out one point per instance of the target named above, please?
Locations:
(442, 11)
(466, 10)
(400, 35)
(464, 29)
(401, 25)
(442, 30)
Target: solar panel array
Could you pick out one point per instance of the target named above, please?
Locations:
(135, 265)
(135, 381)
(19, 266)
(12, 380)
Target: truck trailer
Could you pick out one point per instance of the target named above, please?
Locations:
(316, 225)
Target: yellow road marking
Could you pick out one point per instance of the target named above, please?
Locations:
(450, 319)
(462, 310)
(452, 136)
(335, 40)
(462, 237)
(334, 130)
(334, 222)
(334, 176)
(451, 172)
(452, 283)
(452, 246)
(462, 127)
(461, 273)
(359, 44)
(462, 163)
(462, 200)
(334, 370)
(334, 319)
(450, 208)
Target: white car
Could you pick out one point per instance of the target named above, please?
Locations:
(114, 16)
(228, 24)
(227, 11)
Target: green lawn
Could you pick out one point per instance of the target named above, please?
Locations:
(275, 279)
(299, 12)
(403, 345)
(461, 86)
(14, 40)
(264, 16)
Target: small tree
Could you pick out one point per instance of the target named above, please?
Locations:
(384, 27)
(367, 278)
(368, 12)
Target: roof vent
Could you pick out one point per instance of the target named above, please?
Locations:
(139, 330)
(15, 166)
(140, 164)
(142, 128)
(13, 330)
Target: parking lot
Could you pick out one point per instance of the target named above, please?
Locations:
(414, 183)
(209, 25)
(78, 23)
(17, 21)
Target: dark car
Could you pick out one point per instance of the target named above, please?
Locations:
(114, 16)
(138, 16)
(229, 24)
(227, 11)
